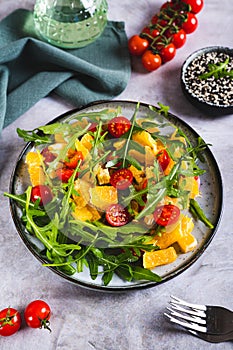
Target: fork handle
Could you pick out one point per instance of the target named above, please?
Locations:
(213, 338)
(220, 319)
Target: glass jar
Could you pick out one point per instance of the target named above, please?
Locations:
(70, 23)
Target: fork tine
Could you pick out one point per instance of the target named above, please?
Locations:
(188, 317)
(178, 301)
(194, 312)
(187, 325)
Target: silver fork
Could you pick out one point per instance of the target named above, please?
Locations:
(204, 321)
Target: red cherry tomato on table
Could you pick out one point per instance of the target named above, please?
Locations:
(121, 179)
(167, 214)
(116, 215)
(196, 5)
(118, 126)
(137, 45)
(43, 192)
(151, 61)
(168, 52)
(163, 159)
(37, 314)
(10, 321)
(191, 23)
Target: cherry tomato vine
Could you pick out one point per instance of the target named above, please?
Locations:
(167, 31)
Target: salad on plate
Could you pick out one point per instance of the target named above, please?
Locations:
(115, 194)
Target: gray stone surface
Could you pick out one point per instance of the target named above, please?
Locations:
(87, 320)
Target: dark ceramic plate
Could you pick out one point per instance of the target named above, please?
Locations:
(199, 100)
(211, 202)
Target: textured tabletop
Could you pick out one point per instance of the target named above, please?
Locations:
(86, 320)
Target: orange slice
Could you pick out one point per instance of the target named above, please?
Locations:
(103, 196)
(35, 170)
(187, 242)
(159, 257)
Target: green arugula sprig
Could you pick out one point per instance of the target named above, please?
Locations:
(218, 70)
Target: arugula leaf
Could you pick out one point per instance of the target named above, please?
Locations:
(140, 273)
(163, 109)
(32, 136)
(218, 70)
(126, 146)
(197, 212)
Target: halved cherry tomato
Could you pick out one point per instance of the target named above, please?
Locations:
(118, 126)
(163, 159)
(37, 314)
(117, 215)
(10, 321)
(121, 179)
(167, 214)
(43, 192)
(191, 23)
(73, 161)
(137, 45)
(151, 61)
(64, 174)
(196, 5)
(168, 52)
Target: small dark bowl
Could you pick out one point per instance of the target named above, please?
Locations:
(200, 102)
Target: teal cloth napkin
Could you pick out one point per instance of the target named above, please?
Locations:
(30, 68)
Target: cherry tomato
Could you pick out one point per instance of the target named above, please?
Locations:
(137, 45)
(166, 5)
(168, 52)
(121, 179)
(43, 192)
(163, 159)
(64, 174)
(151, 61)
(37, 314)
(117, 215)
(155, 32)
(156, 20)
(73, 161)
(118, 126)
(93, 127)
(196, 5)
(47, 155)
(167, 214)
(191, 23)
(178, 38)
(10, 321)
(146, 30)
